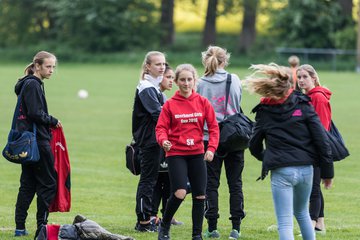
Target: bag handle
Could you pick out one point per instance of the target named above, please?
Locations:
(17, 112)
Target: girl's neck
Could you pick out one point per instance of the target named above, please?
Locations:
(37, 75)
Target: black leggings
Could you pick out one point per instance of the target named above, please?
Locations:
(182, 168)
(316, 198)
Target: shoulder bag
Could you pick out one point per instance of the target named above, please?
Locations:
(235, 130)
(132, 158)
(21, 146)
(337, 144)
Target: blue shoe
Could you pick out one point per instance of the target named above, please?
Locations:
(21, 232)
(213, 234)
(234, 234)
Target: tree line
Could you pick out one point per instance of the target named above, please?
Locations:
(122, 25)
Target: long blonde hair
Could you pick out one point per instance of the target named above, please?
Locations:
(147, 60)
(272, 81)
(213, 57)
(39, 59)
(311, 70)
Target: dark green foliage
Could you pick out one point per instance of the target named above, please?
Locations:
(90, 25)
(308, 23)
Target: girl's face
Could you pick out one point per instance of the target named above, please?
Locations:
(46, 69)
(305, 81)
(156, 67)
(168, 79)
(185, 82)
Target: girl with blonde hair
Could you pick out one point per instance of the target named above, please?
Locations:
(309, 82)
(180, 132)
(212, 85)
(146, 110)
(289, 139)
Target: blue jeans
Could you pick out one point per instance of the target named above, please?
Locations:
(291, 188)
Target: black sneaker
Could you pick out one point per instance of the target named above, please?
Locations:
(150, 227)
(163, 233)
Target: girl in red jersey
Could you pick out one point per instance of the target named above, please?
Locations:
(309, 82)
(180, 131)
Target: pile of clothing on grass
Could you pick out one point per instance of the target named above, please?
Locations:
(81, 229)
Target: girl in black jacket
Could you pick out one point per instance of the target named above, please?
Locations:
(40, 177)
(289, 139)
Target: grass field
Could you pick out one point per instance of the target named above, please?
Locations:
(98, 128)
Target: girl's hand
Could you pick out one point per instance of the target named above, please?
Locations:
(167, 145)
(209, 156)
(58, 125)
(327, 183)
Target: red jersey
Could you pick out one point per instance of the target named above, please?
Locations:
(182, 122)
(62, 200)
(320, 99)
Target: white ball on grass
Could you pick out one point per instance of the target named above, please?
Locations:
(82, 93)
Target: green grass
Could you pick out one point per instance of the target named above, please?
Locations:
(98, 128)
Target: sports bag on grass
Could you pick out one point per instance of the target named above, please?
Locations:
(132, 158)
(235, 130)
(337, 144)
(21, 146)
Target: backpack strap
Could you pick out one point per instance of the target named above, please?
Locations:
(227, 92)
(17, 111)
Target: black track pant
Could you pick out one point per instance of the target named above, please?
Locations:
(39, 178)
(150, 162)
(234, 165)
(161, 193)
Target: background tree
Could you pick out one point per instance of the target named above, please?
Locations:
(23, 22)
(358, 42)
(248, 32)
(346, 7)
(209, 34)
(167, 22)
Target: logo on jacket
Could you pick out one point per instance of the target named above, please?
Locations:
(297, 113)
(190, 142)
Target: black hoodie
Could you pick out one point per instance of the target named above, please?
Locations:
(293, 135)
(33, 108)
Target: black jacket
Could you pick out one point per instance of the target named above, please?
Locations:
(33, 108)
(146, 112)
(293, 136)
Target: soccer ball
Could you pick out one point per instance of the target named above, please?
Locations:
(82, 93)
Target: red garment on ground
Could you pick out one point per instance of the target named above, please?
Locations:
(52, 231)
(62, 200)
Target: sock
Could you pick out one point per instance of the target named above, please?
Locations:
(197, 215)
(212, 223)
(20, 226)
(171, 207)
(236, 224)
